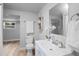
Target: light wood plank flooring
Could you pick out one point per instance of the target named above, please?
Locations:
(13, 49)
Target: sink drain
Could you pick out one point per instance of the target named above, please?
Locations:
(50, 49)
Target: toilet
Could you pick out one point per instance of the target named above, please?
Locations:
(29, 44)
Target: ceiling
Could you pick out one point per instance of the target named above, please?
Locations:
(30, 7)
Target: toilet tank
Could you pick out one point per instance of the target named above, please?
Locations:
(29, 39)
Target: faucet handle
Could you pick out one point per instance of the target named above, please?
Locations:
(53, 37)
(61, 45)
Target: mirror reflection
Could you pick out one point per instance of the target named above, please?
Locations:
(56, 17)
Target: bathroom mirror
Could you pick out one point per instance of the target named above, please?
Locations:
(57, 18)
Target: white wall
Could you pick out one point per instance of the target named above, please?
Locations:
(1, 31)
(73, 9)
(24, 16)
(73, 36)
(44, 12)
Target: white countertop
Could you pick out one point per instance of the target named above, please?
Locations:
(50, 49)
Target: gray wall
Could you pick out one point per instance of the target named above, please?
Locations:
(11, 34)
(24, 16)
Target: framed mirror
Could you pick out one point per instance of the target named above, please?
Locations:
(57, 17)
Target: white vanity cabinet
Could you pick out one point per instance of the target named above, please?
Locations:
(38, 51)
(46, 48)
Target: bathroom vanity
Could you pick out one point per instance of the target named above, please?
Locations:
(55, 42)
(46, 48)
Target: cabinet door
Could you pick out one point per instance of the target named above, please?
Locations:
(1, 37)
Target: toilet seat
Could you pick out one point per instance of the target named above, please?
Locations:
(29, 46)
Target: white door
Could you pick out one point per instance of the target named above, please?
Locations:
(1, 38)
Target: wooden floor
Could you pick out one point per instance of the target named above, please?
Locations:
(13, 49)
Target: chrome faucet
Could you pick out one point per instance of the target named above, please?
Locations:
(53, 39)
(56, 42)
(61, 45)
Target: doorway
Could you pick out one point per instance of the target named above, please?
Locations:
(11, 33)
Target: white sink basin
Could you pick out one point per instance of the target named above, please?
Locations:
(49, 49)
